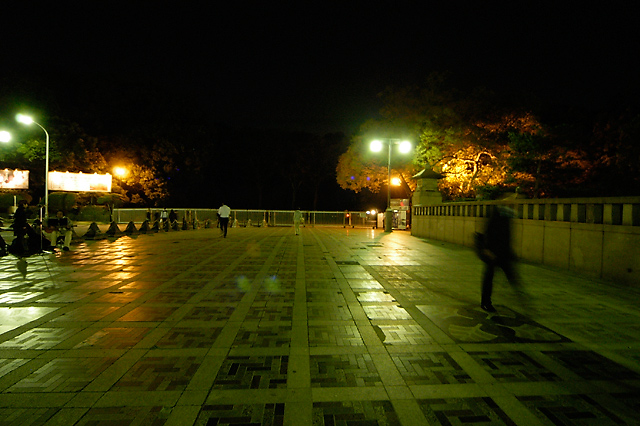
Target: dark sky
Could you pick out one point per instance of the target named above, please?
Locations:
(306, 66)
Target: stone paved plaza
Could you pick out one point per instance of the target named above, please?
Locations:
(345, 327)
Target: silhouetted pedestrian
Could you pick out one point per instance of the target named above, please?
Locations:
(297, 218)
(223, 213)
(496, 252)
(20, 226)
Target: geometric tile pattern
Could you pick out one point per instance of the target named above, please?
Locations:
(114, 338)
(155, 373)
(255, 414)
(384, 312)
(87, 313)
(63, 375)
(577, 410)
(334, 335)
(336, 326)
(514, 366)
(464, 411)
(258, 336)
(39, 338)
(192, 337)
(592, 366)
(353, 370)
(470, 324)
(148, 313)
(252, 372)
(354, 413)
(430, 368)
(8, 365)
(270, 313)
(328, 312)
(112, 416)
(408, 334)
(26, 416)
(17, 296)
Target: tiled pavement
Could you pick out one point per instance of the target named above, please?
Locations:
(336, 326)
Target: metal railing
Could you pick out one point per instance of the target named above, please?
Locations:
(249, 217)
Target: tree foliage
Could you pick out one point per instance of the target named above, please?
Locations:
(485, 146)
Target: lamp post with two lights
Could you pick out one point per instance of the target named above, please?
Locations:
(403, 147)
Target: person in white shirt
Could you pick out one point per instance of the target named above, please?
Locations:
(224, 212)
(297, 218)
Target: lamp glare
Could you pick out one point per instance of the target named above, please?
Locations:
(376, 146)
(24, 119)
(405, 146)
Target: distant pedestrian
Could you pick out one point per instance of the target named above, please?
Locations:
(173, 216)
(297, 219)
(164, 216)
(495, 251)
(20, 226)
(223, 213)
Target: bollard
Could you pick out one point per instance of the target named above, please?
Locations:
(93, 232)
(131, 228)
(144, 228)
(113, 230)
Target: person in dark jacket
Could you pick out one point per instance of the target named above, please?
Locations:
(20, 226)
(496, 252)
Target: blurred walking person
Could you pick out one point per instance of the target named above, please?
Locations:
(224, 212)
(495, 251)
(297, 219)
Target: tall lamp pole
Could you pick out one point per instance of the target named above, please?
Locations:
(404, 147)
(24, 119)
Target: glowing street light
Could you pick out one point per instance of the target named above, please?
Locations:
(5, 136)
(403, 147)
(120, 171)
(25, 119)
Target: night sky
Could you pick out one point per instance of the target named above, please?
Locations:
(315, 67)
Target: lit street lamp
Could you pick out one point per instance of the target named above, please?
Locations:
(5, 136)
(404, 147)
(24, 119)
(119, 171)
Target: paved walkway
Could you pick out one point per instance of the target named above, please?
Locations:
(336, 326)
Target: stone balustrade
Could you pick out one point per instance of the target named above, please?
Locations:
(593, 236)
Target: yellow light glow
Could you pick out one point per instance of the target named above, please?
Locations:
(395, 181)
(24, 119)
(376, 146)
(120, 171)
(405, 146)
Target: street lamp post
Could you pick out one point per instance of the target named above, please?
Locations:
(24, 119)
(376, 146)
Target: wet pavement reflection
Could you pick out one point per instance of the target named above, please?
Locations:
(335, 326)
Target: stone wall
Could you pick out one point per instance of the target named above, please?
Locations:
(599, 237)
